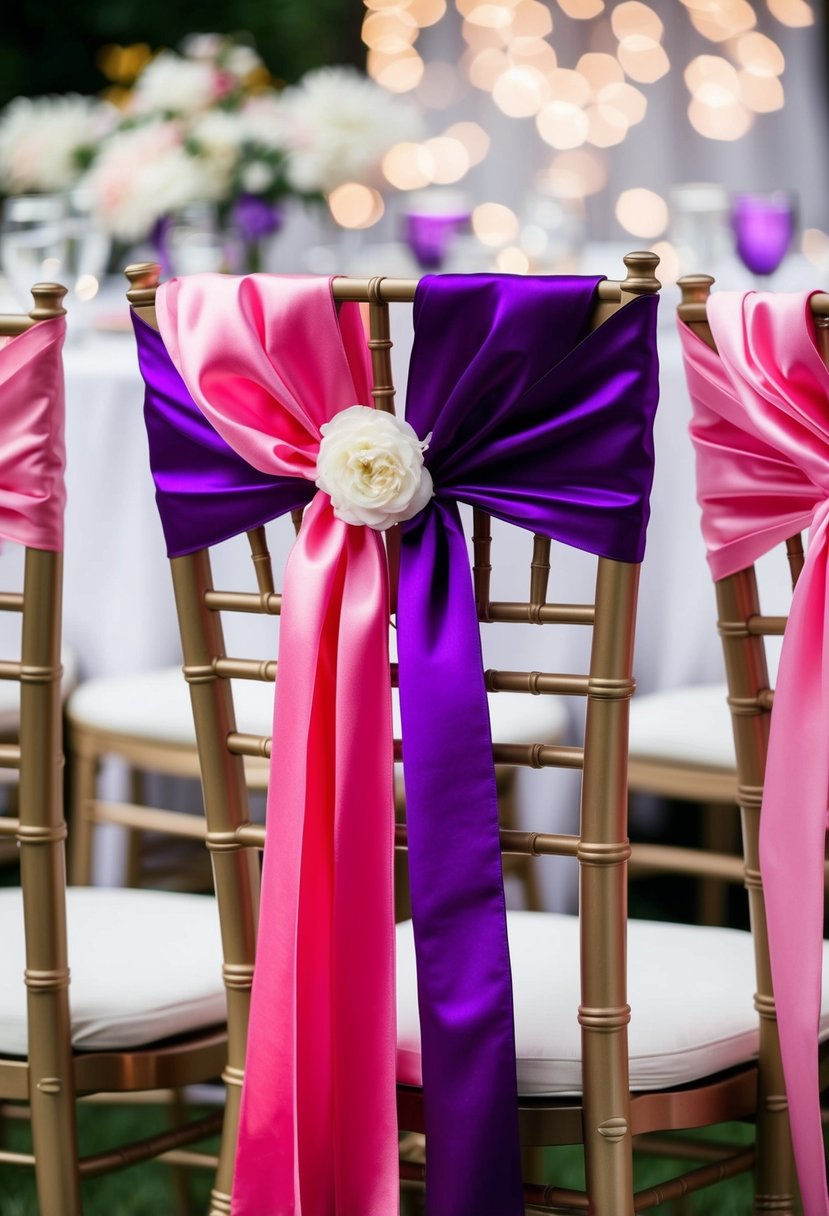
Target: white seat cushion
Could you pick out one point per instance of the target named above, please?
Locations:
(687, 725)
(156, 705)
(10, 692)
(690, 989)
(144, 965)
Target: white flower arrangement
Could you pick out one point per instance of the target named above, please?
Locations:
(129, 203)
(205, 125)
(371, 465)
(341, 124)
(45, 142)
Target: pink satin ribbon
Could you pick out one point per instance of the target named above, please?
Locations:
(761, 433)
(32, 453)
(269, 361)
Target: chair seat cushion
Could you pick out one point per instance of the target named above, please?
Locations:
(690, 988)
(144, 965)
(686, 725)
(156, 705)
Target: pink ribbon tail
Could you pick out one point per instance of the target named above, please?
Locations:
(318, 1132)
(792, 837)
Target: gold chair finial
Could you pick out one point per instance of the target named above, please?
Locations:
(143, 277)
(641, 277)
(48, 301)
(695, 288)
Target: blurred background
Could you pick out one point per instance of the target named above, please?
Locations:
(459, 134)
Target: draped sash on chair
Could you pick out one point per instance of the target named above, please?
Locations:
(761, 433)
(533, 418)
(32, 453)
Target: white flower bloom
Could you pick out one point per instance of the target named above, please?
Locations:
(341, 124)
(40, 138)
(219, 135)
(240, 61)
(257, 177)
(371, 465)
(172, 85)
(203, 46)
(142, 174)
(267, 121)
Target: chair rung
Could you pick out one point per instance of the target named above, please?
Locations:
(190, 1159)
(9, 755)
(9, 1158)
(535, 682)
(246, 669)
(150, 819)
(153, 1146)
(673, 859)
(9, 826)
(243, 601)
(767, 626)
(528, 844)
(543, 614)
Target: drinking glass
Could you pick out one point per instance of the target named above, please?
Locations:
(33, 244)
(88, 245)
(763, 227)
(431, 222)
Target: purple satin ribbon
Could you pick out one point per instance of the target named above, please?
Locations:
(543, 424)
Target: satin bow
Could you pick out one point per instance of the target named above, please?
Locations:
(32, 452)
(532, 418)
(761, 433)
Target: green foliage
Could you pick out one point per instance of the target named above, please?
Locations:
(52, 47)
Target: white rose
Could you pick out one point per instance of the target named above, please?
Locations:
(371, 464)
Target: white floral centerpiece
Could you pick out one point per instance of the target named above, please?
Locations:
(46, 143)
(205, 125)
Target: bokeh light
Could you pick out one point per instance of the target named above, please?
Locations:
(520, 92)
(494, 224)
(575, 174)
(795, 13)
(634, 19)
(512, 260)
(473, 137)
(581, 10)
(642, 212)
(355, 206)
(402, 167)
(669, 268)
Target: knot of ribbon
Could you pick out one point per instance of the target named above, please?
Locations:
(761, 432)
(32, 451)
(531, 417)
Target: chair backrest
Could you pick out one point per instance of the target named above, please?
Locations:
(31, 513)
(601, 846)
(744, 630)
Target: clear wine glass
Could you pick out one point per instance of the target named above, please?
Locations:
(88, 244)
(763, 227)
(33, 242)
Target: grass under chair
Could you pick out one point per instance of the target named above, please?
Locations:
(148, 1190)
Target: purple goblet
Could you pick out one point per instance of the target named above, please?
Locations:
(763, 225)
(429, 235)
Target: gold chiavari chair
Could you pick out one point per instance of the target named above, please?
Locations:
(592, 1069)
(744, 632)
(144, 1010)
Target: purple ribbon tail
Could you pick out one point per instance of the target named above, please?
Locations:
(464, 981)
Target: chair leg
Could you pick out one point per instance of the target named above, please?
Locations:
(134, 866)
(524, 867)
(84, 778)
(720, 834)
(179, 1176)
